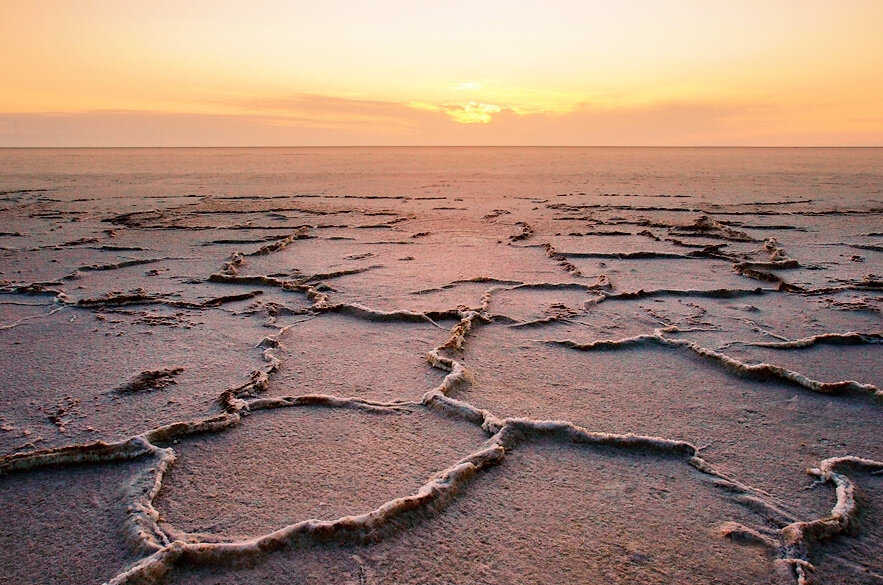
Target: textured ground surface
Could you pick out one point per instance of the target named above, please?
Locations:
(452, 366)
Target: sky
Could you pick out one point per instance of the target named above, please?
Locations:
(550, 72)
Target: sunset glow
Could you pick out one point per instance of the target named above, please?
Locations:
(295, 73)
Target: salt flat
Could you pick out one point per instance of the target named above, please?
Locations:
(441, 366)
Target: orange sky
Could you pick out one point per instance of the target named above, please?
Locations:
(264, 72)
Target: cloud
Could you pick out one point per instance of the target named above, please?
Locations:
(320, 111)
(138, 128)
(324, 111)
(315, 120)
(468, 113)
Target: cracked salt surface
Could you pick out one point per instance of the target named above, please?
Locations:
(393, 384)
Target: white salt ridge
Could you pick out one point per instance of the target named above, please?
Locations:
(761, 370)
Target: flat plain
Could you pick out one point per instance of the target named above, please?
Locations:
(441, 366)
